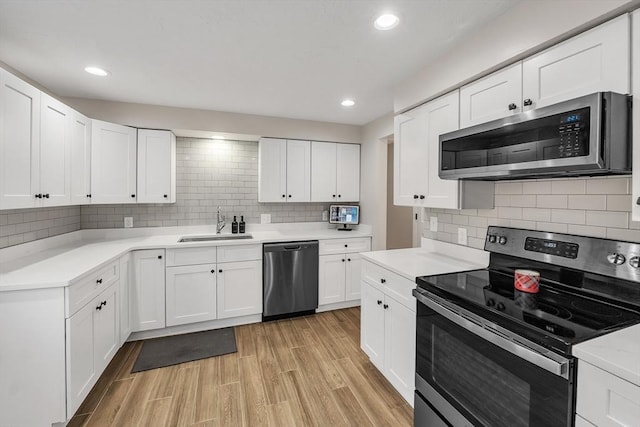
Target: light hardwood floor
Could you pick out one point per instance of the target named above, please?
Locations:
(307, 371)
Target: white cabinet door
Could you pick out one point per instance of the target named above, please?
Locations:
(81, 371)
(272, 170)
(441, 116)
(352, 276)
(80, 159)
(148, 290)
(113, 163)
(635, 67)
(156, 166)
(348, 172)
(323, 171)
(410, 157)
(331, 278)
(55, 153)
(372, 325)
(106, 330)
(400, 347)
(492, 97)
(298, 171)
(597, 60)
(239, 288)
(19, 143)
(125, 297)
(191, 294)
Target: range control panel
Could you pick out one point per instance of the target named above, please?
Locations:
(552, 247)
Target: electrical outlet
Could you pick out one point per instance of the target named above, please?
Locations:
(128, 222)
(433, 223)
(325, 215)
(462, 236)
(265, 218)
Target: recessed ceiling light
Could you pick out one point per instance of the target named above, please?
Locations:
(386, 21)
(348, 103)
(96, 71)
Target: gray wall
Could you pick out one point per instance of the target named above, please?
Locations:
(597, 207)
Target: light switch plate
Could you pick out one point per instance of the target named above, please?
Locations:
(433, 223)
(462, 236)
(128, 222)
(265, 218)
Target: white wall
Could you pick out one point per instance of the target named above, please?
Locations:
(160, 117)
(373, 182)
(527, 27)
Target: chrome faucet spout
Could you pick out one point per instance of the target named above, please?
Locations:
(220, 221)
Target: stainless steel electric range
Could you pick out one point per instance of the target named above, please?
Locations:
(490, 355)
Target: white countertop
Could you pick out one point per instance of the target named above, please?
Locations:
(617, 353)
(433, 257)
(65, 259)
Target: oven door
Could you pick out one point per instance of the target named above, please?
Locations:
(473, 376)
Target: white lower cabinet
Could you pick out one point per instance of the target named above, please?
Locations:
(239, 288)
(147, 296)
(388, 329)
(92, 341)
(191, 294)
(125, 297)
(339, 269)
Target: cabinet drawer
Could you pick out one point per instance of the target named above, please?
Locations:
(341, 246)
(605, 399)
(391, 283)
(191, 256)
(239, 253)
(80, 293)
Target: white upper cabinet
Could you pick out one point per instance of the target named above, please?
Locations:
(410, 157)
(284, 170)
(55, 152)
(19, 143)
(594, 61)
(492, 97)
(156, 166)
(80, 159)
(635, 84)
(335, 172)
(113, 163)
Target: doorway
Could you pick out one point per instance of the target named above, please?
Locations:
(399, 218)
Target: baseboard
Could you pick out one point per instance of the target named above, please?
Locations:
(195, 327)
(338, 305)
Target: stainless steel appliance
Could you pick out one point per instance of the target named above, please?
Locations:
(290, 279)
(489, 355)
(589, 135)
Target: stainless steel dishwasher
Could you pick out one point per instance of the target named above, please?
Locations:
(290, 279)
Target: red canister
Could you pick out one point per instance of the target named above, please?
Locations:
(527, 281)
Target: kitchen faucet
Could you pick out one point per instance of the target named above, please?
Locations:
(221, 223)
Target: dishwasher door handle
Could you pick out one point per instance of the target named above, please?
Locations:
(292, 248)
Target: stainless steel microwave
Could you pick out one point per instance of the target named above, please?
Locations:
(590, 135)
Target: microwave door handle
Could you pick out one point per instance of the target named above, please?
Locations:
(550, 362)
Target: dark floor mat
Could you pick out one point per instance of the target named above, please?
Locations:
(167, 351)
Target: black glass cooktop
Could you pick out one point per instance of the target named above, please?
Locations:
(556, 317)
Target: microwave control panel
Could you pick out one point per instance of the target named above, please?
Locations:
(570, 131)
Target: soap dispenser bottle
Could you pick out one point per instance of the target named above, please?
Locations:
(242, 227)
(234, 225)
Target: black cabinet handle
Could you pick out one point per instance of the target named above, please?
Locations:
(213, 271)
(46, 196)
(103, 303)
(349, 259)
(38, 196)
(220, 271)
(415, 196)
(89, 195)
(333, 195)
(165, 196)
(284, 195)
(383, 280)
(99, 281)
(346, 246)
(99, 307)
(512, 106)
(342, 259)
(339, 195)
(421, 196)
(159, 256)
(385, 306)
(133, 195)
(528, 102)
(289, 195)
(379, 302)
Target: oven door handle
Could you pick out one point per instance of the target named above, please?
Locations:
(548, 361)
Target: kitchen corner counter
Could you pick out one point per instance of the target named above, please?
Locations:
(617, 353)
(433, 257)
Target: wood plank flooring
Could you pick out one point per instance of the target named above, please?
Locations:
(307, 371)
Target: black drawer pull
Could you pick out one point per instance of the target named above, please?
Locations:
(99, 280)
(379, 302)
(383, 280)
(528, 102)
(159, 256)
(385, 306)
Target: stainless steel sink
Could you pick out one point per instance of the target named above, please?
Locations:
(215, 237)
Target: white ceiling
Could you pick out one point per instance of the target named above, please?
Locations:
(283, 58)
